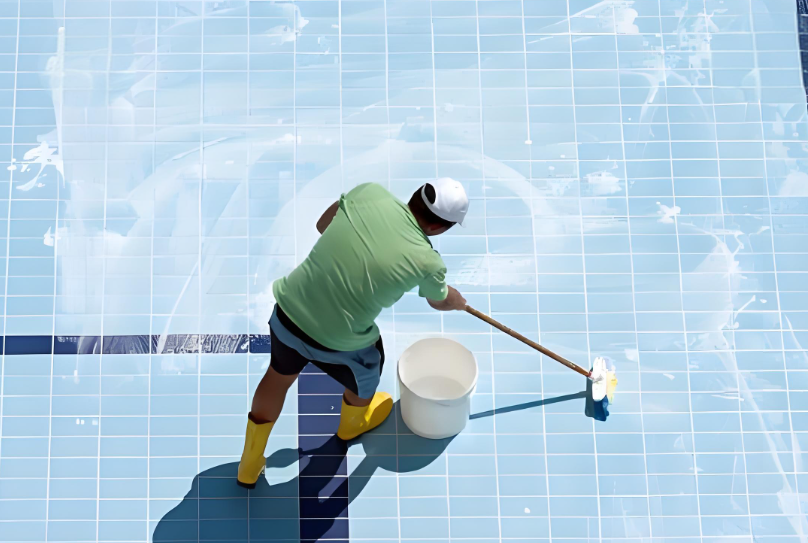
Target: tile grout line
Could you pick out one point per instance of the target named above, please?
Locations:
(249, 246)
(801, 528)
(388, 140)
(738, 374)
(8, 230)
(103, 281)
(583, 269)
(673, 192)
(542, 358)
(203, 173)
(61, 68)
(682, 302)
(341, 136)
(633, 284)
(437, 174)
(295, 136)
(150, 360)
(632, 495)
(732, 315)
(490, 332)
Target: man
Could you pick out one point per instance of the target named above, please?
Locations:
(373, 249)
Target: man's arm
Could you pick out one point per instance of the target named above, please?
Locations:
(438, 294)
(454, 301)
(327, 217)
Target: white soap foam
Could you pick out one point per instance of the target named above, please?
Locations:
(437, 388)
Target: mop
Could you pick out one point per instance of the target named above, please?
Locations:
(603, 380)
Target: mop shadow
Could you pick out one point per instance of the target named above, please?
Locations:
(310, 506)
(538, 403)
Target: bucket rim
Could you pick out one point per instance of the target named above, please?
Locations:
(443, 401)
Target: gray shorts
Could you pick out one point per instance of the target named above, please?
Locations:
(292, 349)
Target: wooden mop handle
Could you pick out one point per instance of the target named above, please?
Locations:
(526, 341)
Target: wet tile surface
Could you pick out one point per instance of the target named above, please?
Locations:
(639, 190)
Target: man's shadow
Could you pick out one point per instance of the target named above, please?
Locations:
(215, 509)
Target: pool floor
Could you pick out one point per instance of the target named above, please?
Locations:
(638, 175)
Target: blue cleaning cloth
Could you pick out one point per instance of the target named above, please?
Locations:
(597, 410)
(600, 410)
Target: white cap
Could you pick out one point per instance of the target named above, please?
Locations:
(451, 202)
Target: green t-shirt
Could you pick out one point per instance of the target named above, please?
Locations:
(368, 257)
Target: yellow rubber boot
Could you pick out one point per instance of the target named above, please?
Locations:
(355, 421)
(253, 463)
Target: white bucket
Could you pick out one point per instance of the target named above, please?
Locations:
(437, 378)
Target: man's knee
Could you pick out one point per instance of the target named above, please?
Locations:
(279, 380)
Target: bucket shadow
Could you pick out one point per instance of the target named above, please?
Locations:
(308, 507)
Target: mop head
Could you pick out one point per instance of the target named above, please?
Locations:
(604, 383)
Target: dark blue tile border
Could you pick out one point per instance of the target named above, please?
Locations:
(137, 344)
(323, 481)
(77, 344)
(20, 345)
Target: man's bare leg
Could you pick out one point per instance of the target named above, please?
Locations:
(268, 401)
(354, 400)
(267, 405)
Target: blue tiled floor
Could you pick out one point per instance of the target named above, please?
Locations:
(639, 180)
